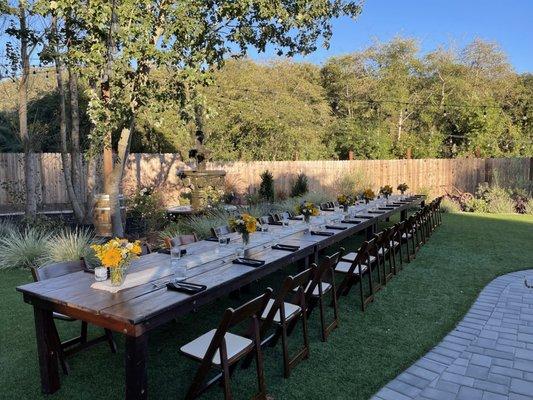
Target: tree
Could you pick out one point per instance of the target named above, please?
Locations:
(22, 31)
(124, 41)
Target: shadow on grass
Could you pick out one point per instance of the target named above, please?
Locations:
(412, 314)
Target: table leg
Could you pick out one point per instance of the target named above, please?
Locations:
(136, 361)
(48, 361)
(370, 231)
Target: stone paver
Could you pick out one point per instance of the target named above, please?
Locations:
(488, 356)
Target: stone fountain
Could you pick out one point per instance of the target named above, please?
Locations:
(199, 179)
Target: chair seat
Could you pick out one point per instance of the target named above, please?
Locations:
(290, 311)
(407, 236)
(62, 317)
(235, 344)
(344, 267)
(325, 288)
(351, 257)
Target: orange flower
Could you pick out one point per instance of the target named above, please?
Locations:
(112, 257)
(137, 249)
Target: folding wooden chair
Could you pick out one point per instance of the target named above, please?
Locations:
(221, 349)
(318, 287)
(180, 240)
(385, 249)
(354, 271)
(221, 231)
(281, 313)
(74, 345)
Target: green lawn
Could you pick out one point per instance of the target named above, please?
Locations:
(410, 316)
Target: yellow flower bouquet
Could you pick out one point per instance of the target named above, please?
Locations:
(386, 191)
(368, 195)
(307, 209)
(244, 224)
(117, 255)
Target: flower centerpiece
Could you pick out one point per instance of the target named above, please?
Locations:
(386, 191)
(117, 255)
(244, 224)
(402, 187)
(368, 195)
(307, 209)
(345, 200)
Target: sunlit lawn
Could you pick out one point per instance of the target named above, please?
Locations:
(411, 315)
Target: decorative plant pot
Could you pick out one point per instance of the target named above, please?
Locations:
(100, 274)
(307, 218)
(345, 207)
(117, 275)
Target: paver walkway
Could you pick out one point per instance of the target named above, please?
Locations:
(488, 356)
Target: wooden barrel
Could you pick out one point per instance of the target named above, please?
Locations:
(102, 216)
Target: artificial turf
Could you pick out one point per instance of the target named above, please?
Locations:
(416, 309)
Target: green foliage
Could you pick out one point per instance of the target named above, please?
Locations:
(499, 201)
(146, 207)
(266, 188)
(450, 206)
(202, 224)
(300, 186)
(352, 184)
(23, 249)
(476, 205)
(7, 227)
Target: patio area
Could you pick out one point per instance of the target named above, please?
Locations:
(415, 311)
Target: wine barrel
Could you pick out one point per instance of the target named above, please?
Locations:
(102, 216)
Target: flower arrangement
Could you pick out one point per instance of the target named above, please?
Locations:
(368, 195)
(307, 209)
(116, 255)
(386, 191)
(345, 200)
(244, 224)
(402, 187)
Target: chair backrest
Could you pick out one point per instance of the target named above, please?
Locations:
(182, 240)
(265, 219)
(328, 264)
(300, 282)
(231, 317)
(56, 270)
(282, 216)
(221, 231)
(324, 206)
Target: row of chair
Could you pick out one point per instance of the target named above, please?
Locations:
(273, 318)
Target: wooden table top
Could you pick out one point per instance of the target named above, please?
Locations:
(138, 309)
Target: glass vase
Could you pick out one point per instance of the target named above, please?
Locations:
(117, 275)
(245, 238)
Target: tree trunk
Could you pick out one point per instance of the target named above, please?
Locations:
(66, 160)
(29, 155)
(400, 126)
(77, 164)
(115, 180)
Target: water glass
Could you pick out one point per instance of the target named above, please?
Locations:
(223, 240)
(179, 268)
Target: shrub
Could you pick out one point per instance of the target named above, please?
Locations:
(71, 245)
(23, 249)
(476, 205)
(352, 184)
(499, 201)
(202, 224)
(266, 189)
(281, 195)
(7, 227)
(171, 230)
(450, 206)
(300, 185)
(145, 211)
(520, 198)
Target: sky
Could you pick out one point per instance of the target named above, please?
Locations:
(434, 23)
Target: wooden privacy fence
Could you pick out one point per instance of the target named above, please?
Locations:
(160, 170)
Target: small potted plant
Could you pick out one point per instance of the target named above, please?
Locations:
(402, 187)
(244, 224)
(368, 195)
(116, 255)
(307, 209)
(386, 191)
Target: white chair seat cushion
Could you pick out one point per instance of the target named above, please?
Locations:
(406, 236)
(344, 267)
(290, 311)
(235, 345)
(351, 256)
(325, 288)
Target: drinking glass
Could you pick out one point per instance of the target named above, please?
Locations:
(179, 268)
